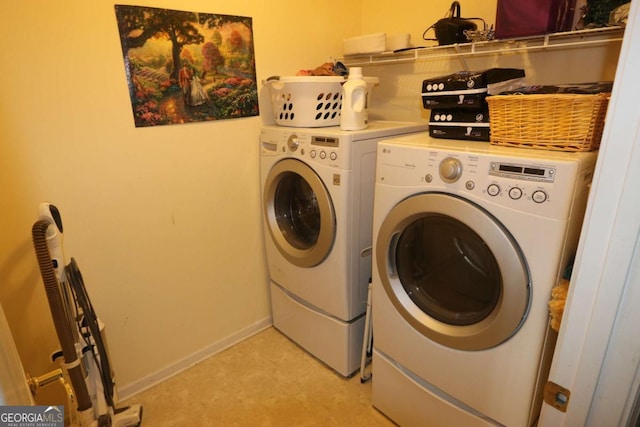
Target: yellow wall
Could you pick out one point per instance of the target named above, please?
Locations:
(164, 221)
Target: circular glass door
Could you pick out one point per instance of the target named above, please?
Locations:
(299, 212)
(453, 271)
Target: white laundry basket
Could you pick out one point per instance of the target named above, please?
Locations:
(306, 101)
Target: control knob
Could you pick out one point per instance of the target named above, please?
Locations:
(293, 142)
(450, 169)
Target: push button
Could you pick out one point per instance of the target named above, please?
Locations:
(539, 196)
(515, 193)
(493, 189)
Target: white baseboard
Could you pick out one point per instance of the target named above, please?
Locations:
(129, 390)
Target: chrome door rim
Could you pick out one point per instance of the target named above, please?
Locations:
(318, 252)
(513, 304)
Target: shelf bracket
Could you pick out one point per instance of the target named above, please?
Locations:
(460, 56)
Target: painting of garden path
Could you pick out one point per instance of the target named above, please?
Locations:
(185, 67)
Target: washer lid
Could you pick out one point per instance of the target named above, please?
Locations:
(299, 213)
(453, 271)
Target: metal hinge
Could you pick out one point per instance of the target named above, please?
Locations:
(556, 396)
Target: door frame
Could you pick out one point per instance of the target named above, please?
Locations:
(598, 353)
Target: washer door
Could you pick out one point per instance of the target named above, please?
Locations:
(453, 271)
(299, 213)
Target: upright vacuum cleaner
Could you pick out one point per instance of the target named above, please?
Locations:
(80, 333)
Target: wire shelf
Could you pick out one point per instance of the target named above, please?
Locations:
(564, 40)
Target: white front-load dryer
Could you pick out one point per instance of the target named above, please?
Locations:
(469, 239)
(317, 199)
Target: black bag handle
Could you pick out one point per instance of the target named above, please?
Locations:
(454, 11)
(455, 7)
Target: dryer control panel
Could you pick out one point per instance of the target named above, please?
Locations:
(536, 183)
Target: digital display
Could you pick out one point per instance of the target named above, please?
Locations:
(516, 171)
(510, 168)
(326, 141)
(534, 171)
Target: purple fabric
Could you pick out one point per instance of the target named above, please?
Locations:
(518, 18)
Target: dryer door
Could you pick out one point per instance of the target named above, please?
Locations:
(299, 213)
(453, 271)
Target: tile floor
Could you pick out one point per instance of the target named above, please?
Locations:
(266, 380)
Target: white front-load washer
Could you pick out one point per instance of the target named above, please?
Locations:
(469, 239)
(317, 191)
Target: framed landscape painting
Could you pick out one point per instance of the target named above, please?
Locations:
(185, 67)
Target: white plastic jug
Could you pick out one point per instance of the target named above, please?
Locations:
(353, 113)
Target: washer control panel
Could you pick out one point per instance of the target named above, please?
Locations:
(325, 150)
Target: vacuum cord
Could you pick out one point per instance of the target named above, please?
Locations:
(65, 335)
(91, 322)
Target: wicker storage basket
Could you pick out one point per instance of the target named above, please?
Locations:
(561, 122)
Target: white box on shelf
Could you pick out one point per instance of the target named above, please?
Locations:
(369, 43)
(398, 41)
